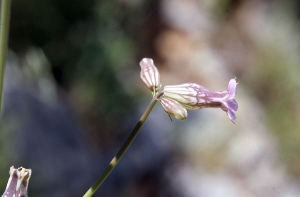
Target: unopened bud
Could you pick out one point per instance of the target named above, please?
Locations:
(150, 74)
(173, 108)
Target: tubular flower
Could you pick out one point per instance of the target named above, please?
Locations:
(18, 181)
(173, 108)
(193, 96)
(149, 74)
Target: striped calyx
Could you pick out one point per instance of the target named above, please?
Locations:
(173, 108)
(150, 74)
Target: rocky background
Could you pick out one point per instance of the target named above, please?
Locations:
(73, 94)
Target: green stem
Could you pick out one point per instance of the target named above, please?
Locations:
(123, 149)
(5, 16)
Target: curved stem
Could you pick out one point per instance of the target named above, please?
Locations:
(5, 16)
(123, 149)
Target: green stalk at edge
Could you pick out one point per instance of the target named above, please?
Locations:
(4, 30)
(123, 149)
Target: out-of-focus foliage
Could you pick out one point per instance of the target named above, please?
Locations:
(275, 82)
(85, 43)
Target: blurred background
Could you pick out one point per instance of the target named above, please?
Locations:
(73, 94)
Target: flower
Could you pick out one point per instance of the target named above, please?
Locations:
(193, 96)
(149, 74)
(17, 184)
(173, 108)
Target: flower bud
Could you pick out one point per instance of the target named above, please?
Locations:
(193, 96)
(173, 108)
(149, 74)
(17, 184)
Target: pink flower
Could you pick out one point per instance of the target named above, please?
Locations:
(173, 108)
(17, 184)
(193, 96)
(149, 74)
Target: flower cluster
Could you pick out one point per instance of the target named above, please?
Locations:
(177, 98)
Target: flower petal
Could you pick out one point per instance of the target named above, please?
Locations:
(232, 88)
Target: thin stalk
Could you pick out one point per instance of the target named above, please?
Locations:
(5, 17)
(123, 149)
